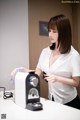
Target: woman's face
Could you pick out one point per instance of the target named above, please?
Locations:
(53, 35)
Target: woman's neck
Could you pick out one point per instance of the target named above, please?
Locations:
(56, 51)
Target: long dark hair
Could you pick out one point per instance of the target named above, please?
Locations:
(64, 30)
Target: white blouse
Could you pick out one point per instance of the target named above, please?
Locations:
(67, 65)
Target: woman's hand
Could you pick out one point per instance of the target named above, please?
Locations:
(53, 78)
(19, 69)
(50, 78)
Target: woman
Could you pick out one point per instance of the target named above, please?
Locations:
(61, 63)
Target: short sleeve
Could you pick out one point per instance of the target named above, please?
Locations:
(40, 61)
(75, 65)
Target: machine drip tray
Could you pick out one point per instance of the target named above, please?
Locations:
(34, 106)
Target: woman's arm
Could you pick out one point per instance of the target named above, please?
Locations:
(38, 72)
(73, 82)
(23, 69)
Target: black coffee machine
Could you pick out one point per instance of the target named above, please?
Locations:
(28, 96)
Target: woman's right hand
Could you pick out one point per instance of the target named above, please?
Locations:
(19, 69)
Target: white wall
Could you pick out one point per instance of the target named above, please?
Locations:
(14, 51)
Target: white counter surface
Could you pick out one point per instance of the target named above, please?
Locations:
(51, 111)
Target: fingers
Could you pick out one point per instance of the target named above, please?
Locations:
(19, 69)
(50, 78)
(13, 73)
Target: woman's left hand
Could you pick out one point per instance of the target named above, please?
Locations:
(50, 78)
